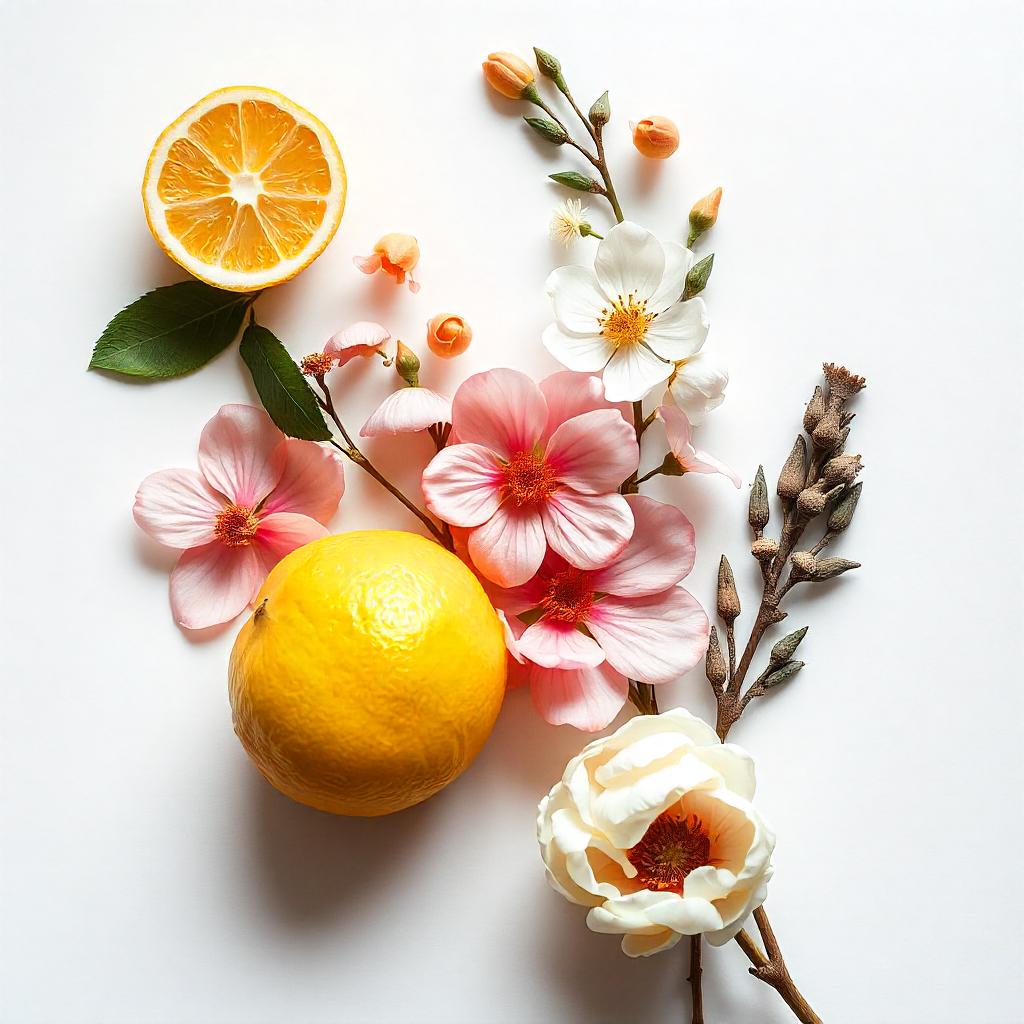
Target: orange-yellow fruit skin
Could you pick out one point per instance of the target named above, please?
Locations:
(370, 675)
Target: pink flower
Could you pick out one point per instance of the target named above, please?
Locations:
(591, 631)
(364, 338)
(408, 411)
(534, 466)
(692, 460)
(257, 496)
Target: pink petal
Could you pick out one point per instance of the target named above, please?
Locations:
(559, 645)
(281, 533)
(570, 394)
(593, 453)
(659, 554)
(406, 412)
(367, 264)
(414, 286)
(462, 485)
(312, 483)
(513, 627)
(702, 462)
(587, 530)
(363, 338)
(501, 409)
(509, 547)
(239, 455)
(587, 698)
(654, 639)
(693, 460)
(177, 507)
(212, 584)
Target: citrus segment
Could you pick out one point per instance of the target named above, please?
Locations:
(245, 189)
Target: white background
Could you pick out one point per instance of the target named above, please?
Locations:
(871, 157)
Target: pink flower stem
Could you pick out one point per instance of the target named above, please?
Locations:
(351, 451)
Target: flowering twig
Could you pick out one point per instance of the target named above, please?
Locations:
(351, 451)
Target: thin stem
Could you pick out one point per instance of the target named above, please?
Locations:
(697, 1015)
(602, 166)
(647, 476)
(351, 451)
(572, 142)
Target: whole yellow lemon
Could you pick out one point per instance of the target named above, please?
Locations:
(369, 675)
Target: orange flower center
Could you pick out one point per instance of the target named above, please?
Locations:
(569, 596)
(626, 322)
(236, 525)
(528, 479)
(670, 849)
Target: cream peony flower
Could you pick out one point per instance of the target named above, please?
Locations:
(624, 317)
(653, 829)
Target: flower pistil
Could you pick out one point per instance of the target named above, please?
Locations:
(626, 322)
(236, 525)
(528, 479)
(671, 848)
(569, 596)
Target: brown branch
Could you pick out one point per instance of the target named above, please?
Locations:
(697, 993)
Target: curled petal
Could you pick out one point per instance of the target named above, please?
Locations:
(586, 698)
(407, 411)
(281, 533)
(312, 482)
(587, 530)
(239, 454)
(593, 453)
(462, 485)
(363, 338)
(509, 547)
(367, 264)
(501, 409)
(552, 644)
(177, 507)
(213, 584)
(693, 460)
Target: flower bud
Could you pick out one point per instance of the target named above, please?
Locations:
(843, 469)
(811, 501)
(728, 598)
(697, 276)
(703, 215)
(548, 130)
(815, 409)
(794, 472)
(601, 112)
(656, 137)
(780, 675)
(804, 564)
(842, 514)
(828, 568)
(827, 435)
(508, 74)
(448, 335)
(786, 647)
(842, 384)
(549, 66)
(714, 661)
(757, 509)
(577, 181)
(407, 365)
(764, 549)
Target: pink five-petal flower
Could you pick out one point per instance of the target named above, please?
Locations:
(258, 496)
(364, 338)
(407, 411)
(632, 611)
(693, 460)
(522, 482)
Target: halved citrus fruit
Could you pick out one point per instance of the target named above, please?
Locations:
(245, 189)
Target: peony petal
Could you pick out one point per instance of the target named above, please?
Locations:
(239, 454)
(462, 485)
(407, 411)
(213, 584)
(586, 698)
(678, 260)
(502, 409)
(177, 507)
(630, 260)
(655, 639)
(553, 644)
(577, 298)
(689, 916)
(647, 945)
(281, 533)
(570, 394)
(660, 553)
(586, 353)
(632, 372)
(509, 547)
(587, 530)
(312, 483)
(363, 338)
(680, 331)
(593, 453)
(367, 264)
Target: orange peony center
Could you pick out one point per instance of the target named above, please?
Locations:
(529, 479)
(671, 848)
(236, 525)
(569, 596)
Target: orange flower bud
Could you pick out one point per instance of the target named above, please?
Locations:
(656, 137)
(448, 335)
(508, 74)
(705, 211)
(394, 254)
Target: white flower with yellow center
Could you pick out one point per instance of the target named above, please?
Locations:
(624, 317)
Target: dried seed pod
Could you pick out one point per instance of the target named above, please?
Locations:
(786, 647)
(829, 568)
(728, 598)
(804, 565)
(815, 409)
(827, 434)
(842, 514)
(843, 469)
(758, 510)
(812, 500)
(780, 675)
(764, 549)
(714, 661)
(794, 472)
(841, 383)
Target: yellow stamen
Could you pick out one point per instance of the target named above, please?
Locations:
(626, 322)
(236, 525)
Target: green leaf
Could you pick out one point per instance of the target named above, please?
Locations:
(283, 390)
(171, 331)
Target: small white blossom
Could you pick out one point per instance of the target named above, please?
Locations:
(568, 221)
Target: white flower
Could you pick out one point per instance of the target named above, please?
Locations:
(568, 221)
(698, 385)
(653, 829)
(624, 316)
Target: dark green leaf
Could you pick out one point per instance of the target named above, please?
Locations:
(171, 331)
(283, 390)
